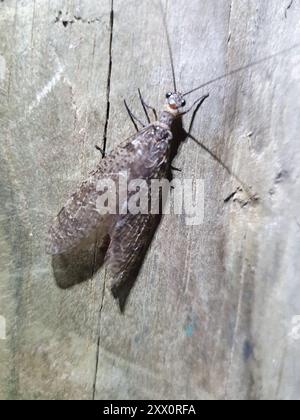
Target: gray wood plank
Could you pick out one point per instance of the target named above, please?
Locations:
(215, 310)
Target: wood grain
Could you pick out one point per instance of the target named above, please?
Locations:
(214, 313)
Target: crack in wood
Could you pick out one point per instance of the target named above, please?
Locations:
(98, 340)
(109, 76)
(108, 86)
(288, 8)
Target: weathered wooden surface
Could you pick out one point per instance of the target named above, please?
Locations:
(214, 311)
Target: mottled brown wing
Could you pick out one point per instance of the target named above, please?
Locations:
(129, 242)
(145, 155)
(76, 219)
(79, 216)
(132, 233)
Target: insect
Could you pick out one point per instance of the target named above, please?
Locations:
(146, 155)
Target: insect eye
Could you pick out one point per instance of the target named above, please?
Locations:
(168, 95)
(183, 103)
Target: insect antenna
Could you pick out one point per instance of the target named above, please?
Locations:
(169, 45)
(239, 69)
(197, 102)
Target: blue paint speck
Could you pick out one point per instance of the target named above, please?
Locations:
(189, 329)
(247, 350)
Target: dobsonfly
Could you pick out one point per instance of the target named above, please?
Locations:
(146, 155)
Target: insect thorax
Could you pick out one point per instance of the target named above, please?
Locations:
(166, 119)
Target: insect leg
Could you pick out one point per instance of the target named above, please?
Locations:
(100, 150)
(251, 196)
(201, 100)
(175, 169)
(133, 117)
(215, 157)
(198, 102)
(146, 106)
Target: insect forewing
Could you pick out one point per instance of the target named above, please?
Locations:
(142, 156)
